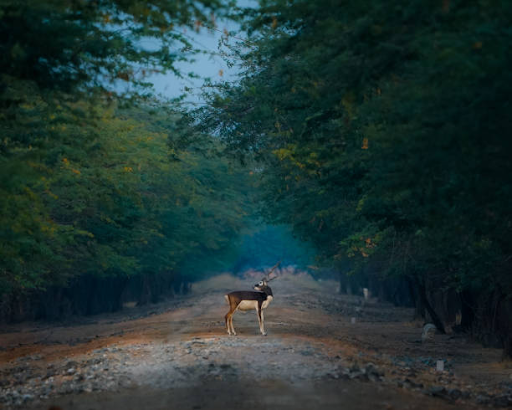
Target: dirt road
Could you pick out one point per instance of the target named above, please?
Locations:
(177, 355)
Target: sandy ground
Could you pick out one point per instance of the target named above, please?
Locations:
(177, 355)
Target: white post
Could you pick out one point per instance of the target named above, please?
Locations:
(440, 365)
(366, 293)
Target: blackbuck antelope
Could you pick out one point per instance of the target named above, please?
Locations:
(244, 300)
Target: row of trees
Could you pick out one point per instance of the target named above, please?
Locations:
(378, 130)
(383, 135)
(99, 194)
(109, 197)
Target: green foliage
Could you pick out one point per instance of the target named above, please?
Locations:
(382, 130)
(90, 185)
(108, 200)
(83, 45)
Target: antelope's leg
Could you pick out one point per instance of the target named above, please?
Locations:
(260, 320)
(226, 318)
(231, 323)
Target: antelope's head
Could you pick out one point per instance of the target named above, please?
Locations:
(262, 286)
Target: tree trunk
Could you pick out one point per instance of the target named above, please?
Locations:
(507, 349)
(419, 307)
(435, 318)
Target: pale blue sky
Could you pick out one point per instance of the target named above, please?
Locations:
(170, 86)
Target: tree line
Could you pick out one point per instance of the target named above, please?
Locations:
(382, 134)
(101, 199)
(378, 130)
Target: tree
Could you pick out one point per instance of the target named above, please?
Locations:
(382, 134)
(93, 189)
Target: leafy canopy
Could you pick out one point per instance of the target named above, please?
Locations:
(382, 130)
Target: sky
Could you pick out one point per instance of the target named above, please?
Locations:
(206, 65)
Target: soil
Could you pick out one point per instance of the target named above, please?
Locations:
(323, 350)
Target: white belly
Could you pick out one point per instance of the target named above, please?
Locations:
(248, 305)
